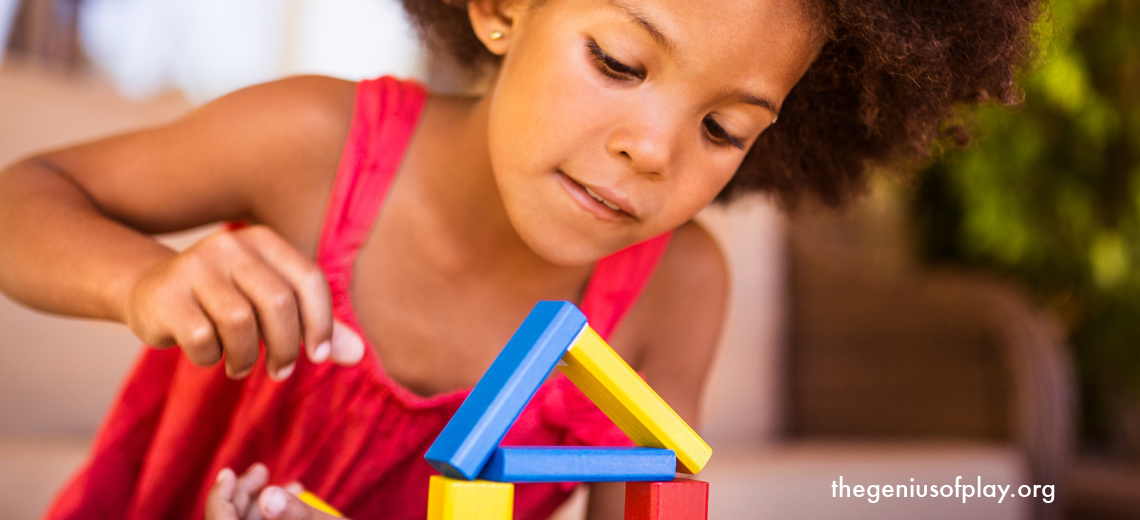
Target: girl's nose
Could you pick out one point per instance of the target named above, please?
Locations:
(646, 140)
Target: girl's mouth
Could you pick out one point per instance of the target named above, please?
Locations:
(600, 199)
(611, 208)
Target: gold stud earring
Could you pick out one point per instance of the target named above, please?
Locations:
(496, 35)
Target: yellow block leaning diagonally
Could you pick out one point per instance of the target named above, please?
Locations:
(453, 499)
(320, 505)
(630, 403)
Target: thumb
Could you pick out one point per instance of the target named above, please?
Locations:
(277, 504)
(347, 347)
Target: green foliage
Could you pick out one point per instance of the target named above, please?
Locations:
(1050, 192)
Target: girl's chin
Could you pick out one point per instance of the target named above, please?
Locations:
(564, 249)
(565, 254)
(559, 231)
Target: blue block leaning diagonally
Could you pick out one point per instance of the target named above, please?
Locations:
(580, 464)
(473, 433)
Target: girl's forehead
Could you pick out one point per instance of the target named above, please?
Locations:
(767, 41)
(747, 18)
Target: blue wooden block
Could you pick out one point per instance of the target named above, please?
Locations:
(476, 429)
(578, 464)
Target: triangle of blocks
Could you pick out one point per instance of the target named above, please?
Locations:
(468, 447)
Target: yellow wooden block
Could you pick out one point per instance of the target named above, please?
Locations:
(318, 504)
(630, 403)
(453, 499)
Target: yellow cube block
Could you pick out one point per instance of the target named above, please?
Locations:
(453, 499)
(630, 403)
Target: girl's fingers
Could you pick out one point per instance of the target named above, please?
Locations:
(249, 485)
(309, 286)
(234, 320)
(219, 503)
(347, 347)
(194, 332)
(277, 314)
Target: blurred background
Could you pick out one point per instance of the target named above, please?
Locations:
(979, 319)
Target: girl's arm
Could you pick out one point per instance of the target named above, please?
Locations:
(674, 330)
(74, 223)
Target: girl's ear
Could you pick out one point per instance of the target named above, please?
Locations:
(493, 21)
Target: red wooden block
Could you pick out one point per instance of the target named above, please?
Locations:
(681, 499)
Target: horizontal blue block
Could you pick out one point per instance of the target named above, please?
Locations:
(577, 464)
(481, 422)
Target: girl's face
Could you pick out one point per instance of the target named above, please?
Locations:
(613, 121)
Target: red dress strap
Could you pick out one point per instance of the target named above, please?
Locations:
(618, 281)
(383, 121)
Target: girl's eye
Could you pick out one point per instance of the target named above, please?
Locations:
(719, 135)
(610, 66)
(615, 69)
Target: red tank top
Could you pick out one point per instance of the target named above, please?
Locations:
(349, 434)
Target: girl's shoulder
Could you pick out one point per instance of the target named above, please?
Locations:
(688, 293)
(304, 122)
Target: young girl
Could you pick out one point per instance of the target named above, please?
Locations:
(404, 235)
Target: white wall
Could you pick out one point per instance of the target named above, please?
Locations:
(743, 402)
(207, 48)
(59, 375)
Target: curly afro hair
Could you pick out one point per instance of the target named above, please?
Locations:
(883, 90)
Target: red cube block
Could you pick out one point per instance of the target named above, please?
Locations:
(681, 499)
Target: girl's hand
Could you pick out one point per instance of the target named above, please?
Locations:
(233, 288)
(248, 498)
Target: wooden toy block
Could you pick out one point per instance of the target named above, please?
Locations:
(681, 499)
(630, 403)
(452, 499)
(579, 464)
(318, 504)
(466, 442)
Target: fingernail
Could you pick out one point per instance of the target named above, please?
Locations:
(347, 347)
(224, 474)
(321, 353)
(272, 501)
(294, 488)
(242, 374)
(285, 372)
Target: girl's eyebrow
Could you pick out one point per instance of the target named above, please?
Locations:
(639, 20)
(752, 99)
(664, 41)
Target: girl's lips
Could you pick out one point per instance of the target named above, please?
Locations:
(589, 203)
